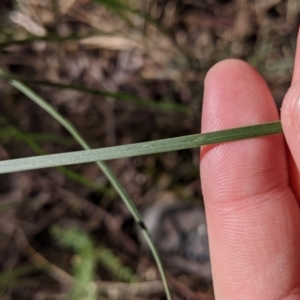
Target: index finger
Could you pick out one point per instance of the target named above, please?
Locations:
(252, 215)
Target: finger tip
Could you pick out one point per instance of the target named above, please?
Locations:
(235, 94)
(220, 70)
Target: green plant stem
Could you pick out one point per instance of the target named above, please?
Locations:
(105, 169)
(16, 134)
(166, 145)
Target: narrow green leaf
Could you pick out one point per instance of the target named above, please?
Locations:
(15, 134)
(163, 106)
(105, 169)
(166, 145)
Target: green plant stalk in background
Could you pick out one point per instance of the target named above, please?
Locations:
(164, 106)
(112, 263)
(105, 169)
(84, 263)
(13, 278)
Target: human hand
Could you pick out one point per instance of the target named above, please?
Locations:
(251, 187)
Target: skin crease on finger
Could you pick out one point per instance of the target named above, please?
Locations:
(252, 214)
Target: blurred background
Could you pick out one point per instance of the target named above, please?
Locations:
(122, 71)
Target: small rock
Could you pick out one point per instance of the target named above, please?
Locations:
(179, 231)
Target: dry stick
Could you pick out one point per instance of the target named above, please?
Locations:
(113, 86)
(185, 292)
(40, 261)
(53, 214)
(121, 290)
(109, 221)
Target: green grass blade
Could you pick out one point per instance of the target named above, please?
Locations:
(12, 133)
(149, 103)
(107, 172)
(165, 145)
(10, 275)
(51, 38)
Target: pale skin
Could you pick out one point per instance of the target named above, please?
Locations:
(251, 187)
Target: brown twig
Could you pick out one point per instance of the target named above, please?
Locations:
(40, 261)
(122, 291)
(112, 225)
